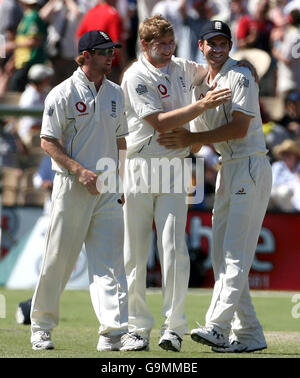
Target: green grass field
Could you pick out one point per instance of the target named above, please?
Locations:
(76, 335)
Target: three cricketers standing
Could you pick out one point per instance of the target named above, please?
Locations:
(87, 112)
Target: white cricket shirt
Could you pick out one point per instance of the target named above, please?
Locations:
(244, 99)
(86, 121)
(149, 90)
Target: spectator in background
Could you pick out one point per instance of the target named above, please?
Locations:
(144, 8)
(193, 20)
(254, 31)
(104, 16)
(278, 17)
(6, 64)
(43, 179)
(287, 55)
(291, 117)
(11, 14)
(39, 76)
(291, 5)
(222, 9)
(12, 152)
(211, 167)
(238, 9)
(286, 180)
(274, 132)
(29, 44)
(63, 17)
(131, 26)
(11, 147)
(170, 10)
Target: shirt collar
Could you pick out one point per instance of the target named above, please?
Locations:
(81, 77)
(155, 70)
(225, 68)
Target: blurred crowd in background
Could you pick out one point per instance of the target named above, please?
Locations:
(38, 44)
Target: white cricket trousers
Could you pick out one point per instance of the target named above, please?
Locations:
(78, 217)
(242, 193)
(169, 212)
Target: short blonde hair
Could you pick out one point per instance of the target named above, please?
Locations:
(154, 27)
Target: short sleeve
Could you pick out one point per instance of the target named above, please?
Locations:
(244, 94)
(122, 130)
(53, 118)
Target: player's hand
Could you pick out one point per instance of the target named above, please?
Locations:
(89, 180)
(178, 138)
(215, 97)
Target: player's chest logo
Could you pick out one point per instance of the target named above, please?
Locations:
(81, 108)
(113, 108)
(183, 85)
(163, 90)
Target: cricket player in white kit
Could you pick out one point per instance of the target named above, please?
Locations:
(83, 123)
(242, 193)
(157, 91)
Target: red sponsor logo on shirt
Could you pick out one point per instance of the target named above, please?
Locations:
(163, 90)
(201, 96)
(80, 106)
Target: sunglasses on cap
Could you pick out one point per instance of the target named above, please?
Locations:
(103, 52)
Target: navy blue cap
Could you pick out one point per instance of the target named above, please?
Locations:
(213, 28)
(96, 39)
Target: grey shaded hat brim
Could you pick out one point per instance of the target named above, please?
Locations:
(214, 34)
(107, 46)
(104, 46)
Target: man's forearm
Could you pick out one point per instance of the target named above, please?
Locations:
(235, 129)
(229, 131)
(53, 148)
(173, 119)
(179, 117)
(122, 147)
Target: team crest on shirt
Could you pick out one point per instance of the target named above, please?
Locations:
(104, 35)
(182, 83)
(50, 111)
(141, 89)
(218, 25)
(243, 82)
(113, 109)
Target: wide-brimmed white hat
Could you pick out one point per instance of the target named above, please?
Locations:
(288, 145)
(260, 59)
(39, 72)
(29, 2)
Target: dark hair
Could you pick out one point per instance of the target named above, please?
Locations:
(295, 17)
